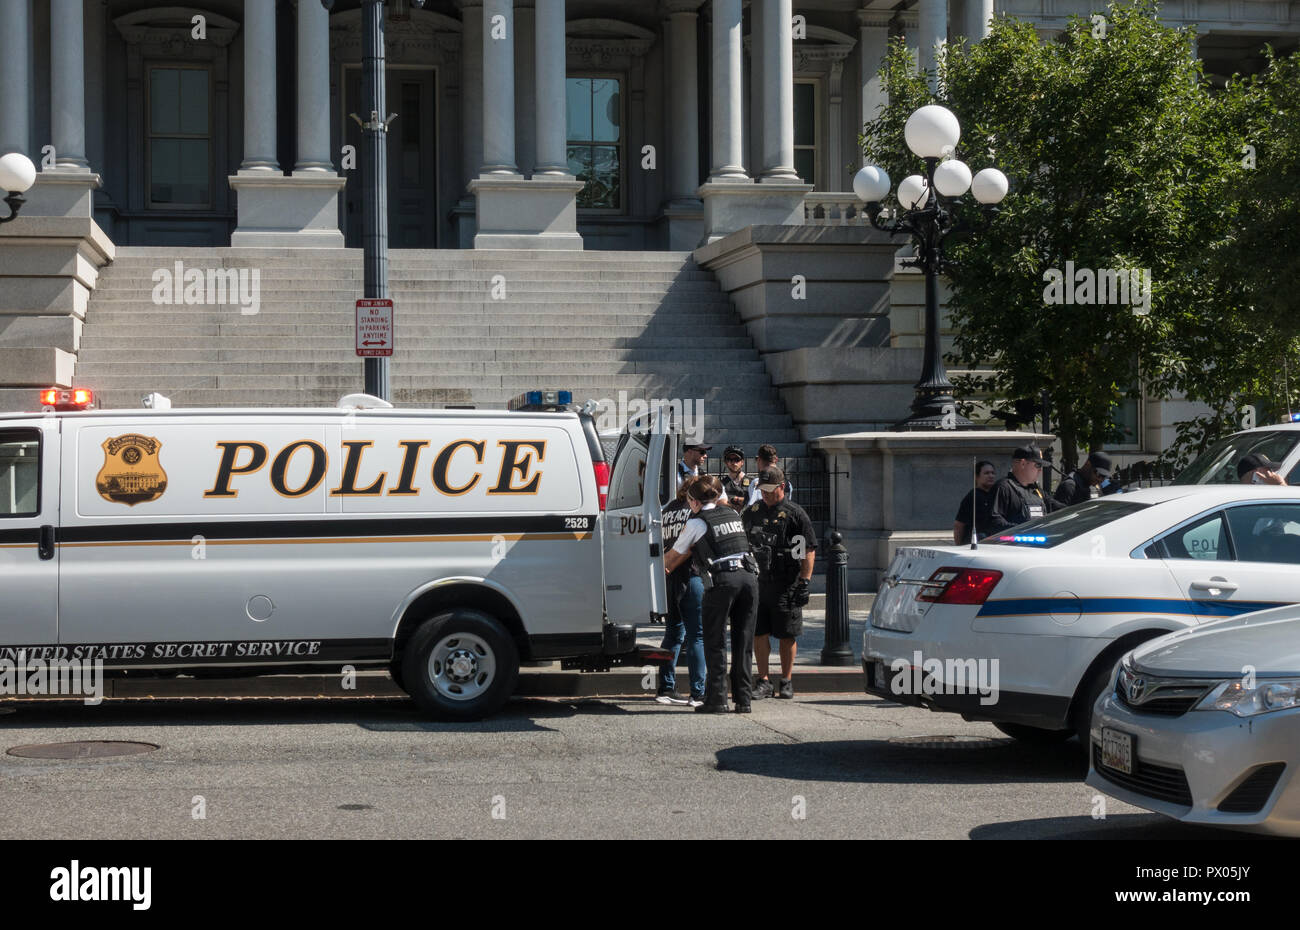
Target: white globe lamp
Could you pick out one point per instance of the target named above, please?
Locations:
(871, 184)
(989, 186)
(932, 131)
(913, 192)
(952, 178)
(17, 173)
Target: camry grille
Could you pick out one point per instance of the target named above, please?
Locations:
(1151, 694)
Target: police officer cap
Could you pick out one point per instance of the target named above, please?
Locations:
(733, 450)
(697, 447)
(771, 478)
(1030, 453)
(1254, 461)
(1101, 463)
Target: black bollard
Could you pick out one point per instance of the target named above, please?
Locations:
(837, 650)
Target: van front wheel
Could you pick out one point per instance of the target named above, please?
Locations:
(460, 665)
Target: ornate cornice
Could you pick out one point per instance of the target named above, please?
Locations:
(166, 31)
(420, 36)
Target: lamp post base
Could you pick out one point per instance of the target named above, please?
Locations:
(934, 411)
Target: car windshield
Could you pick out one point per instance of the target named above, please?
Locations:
(1064, 525)
(1218, 464)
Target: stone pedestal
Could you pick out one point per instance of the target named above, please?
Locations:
(514, 213)
(63, 192)
(683, 225)
(902, 489)
(298, 211)
(48, 267)
(731, 205)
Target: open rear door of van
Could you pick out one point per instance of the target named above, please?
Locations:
(642, 481)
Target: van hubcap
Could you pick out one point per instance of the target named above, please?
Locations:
(461, 666)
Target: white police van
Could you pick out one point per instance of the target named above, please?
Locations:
(447, 546)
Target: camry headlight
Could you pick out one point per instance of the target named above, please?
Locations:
(1267, 695)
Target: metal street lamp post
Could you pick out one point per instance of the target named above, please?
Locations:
(374, 174)
(17, 175)
(931, 211)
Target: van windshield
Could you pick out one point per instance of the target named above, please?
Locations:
(1064, 525)
(1218, 464)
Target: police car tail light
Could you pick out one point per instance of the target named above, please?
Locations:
(68, 398)
(602, 481)
(959, 586)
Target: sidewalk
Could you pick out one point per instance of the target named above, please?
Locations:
(539, 680)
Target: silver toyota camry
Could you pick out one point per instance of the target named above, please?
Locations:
(1203, 725)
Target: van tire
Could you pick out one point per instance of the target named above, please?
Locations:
(460, 665)
(1088, 695)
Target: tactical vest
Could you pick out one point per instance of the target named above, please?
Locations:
(724, 536)
(772, 526)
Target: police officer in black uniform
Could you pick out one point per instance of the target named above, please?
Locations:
(735, 483)
(715, 538)
(785, 546)
(1017, 497)
(1077, 487)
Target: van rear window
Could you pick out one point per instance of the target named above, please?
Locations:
(20, 473)
(1064, 525)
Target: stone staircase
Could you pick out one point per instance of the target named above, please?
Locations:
(650, 324)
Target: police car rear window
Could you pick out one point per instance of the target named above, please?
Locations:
(1064, 525)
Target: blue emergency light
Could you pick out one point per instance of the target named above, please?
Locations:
(541, 400)
(1295, 418)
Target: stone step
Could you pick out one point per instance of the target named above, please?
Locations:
(427, 339)
(435, 355)
(405, 257)
(410, 278)
(458, 327)
(693, 291)
(610, 376)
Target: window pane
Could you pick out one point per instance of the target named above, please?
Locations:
(179, 171)
(410, 133)
(627, 484)
(604, 188)
(805, 162)
(1266, 533)
(805, 114)
(580, 166)
(164, 100)
(19, 474)
(604, 110)
(578, 104)
(193, 102)
(1205, 540)
(1126, 420)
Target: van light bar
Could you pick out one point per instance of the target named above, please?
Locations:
(541, 400)
(68, 398)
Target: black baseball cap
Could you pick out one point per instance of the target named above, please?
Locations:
(733, 450)
(1255, 461)
(1030, 453)
(697, 446)
(1101, 463)
(769, 479)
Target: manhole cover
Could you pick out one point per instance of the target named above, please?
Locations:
(82, 749)
(949, 742)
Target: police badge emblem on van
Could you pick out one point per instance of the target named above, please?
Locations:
(132, 473)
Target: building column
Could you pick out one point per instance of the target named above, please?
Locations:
(314, 89)
(728, 93)
(551, 99)
(512, 212)
(979, 14)
(932, 18)
(777, 65)
(302, 209)
(67, 84)
(15, 77)
(907, 22)
(873, 46)
(259, 87)
(498, 88)
(471, 116)
(684, 101)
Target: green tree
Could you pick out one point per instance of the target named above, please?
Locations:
(1121, 157)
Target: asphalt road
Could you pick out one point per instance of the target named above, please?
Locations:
(852, 766)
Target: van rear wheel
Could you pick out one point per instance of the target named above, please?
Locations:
(460, 665)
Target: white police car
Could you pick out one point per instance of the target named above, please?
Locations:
(1025, 630)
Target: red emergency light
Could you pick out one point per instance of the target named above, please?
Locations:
(68, 398)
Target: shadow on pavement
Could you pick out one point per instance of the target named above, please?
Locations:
(928, 760)
(380, 714)
(1114, 827)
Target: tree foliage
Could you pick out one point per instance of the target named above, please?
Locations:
(1121, 156)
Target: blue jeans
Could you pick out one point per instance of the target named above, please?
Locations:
(685, 627)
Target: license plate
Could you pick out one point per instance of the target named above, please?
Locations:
(1117, 750)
